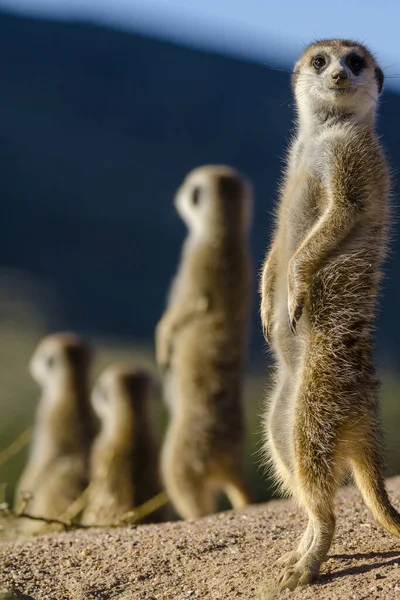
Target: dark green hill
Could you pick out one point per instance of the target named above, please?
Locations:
(97, 128)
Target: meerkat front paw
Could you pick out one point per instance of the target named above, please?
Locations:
(266, 317)
(297, 295)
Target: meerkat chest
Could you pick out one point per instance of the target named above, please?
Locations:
(304, 197)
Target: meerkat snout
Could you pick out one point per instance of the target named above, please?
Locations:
(339, 75)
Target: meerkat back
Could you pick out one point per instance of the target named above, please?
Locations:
(201, 344)
(124, 461)
(57, 469)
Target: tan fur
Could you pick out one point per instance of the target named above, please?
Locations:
(319, 288)
(201, 344)
(123, 461)
(57, 469)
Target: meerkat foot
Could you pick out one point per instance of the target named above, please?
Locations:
(293, 577)
(301, 573)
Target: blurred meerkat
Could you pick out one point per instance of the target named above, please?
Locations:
(201, 344)
(319, 290)
(124, 457)
(57, 468)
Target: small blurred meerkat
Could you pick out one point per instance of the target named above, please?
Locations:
(124, 457)
(201, 344)
(57, 469)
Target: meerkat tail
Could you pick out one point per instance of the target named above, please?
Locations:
(238, 496)
(371, 484)
(236, 489)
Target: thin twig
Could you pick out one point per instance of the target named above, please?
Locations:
(77, 506)
(67, 525)
(16, 446)
(145, 509)
(132, 516)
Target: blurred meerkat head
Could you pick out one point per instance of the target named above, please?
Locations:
(122, 396)
(337, 76)
(215, 198)
(60, 359)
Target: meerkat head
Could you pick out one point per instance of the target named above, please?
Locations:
(334, 77)
(213, 198)
(60, 359)
(121, 395)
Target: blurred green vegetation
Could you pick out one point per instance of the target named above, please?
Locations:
(20, 394)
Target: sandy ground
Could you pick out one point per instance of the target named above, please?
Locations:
(223, 557)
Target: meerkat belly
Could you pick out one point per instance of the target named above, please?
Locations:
(344, 291)
(303, 203)
(205, 371)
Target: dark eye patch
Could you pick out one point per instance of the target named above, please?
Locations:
(196, 196)
(356, 63)
(50, 360)
(319, 62)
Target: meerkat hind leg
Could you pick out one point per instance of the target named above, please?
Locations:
(322, 527)
(192, 496)
(318, 469)
(278, 454)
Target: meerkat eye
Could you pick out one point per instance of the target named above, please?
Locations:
(319, 63)
(196, 196)
(356, 63)
(50, 362)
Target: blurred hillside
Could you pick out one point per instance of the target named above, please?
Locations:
(97, 129)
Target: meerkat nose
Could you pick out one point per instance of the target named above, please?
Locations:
(339, 75)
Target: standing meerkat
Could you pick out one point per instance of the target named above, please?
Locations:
(123, 461)
(57, 468)
(319, 289)
(201, 344)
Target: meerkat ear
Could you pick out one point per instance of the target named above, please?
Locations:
(78, 355)
(379, 78)
(230, 186)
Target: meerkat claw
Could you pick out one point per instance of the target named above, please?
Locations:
(295, 317)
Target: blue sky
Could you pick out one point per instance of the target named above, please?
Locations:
(270, 31)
